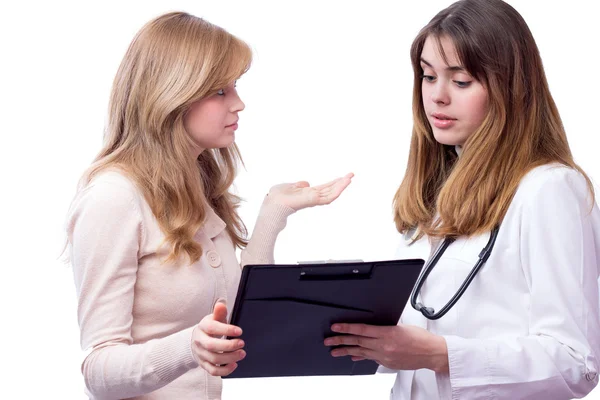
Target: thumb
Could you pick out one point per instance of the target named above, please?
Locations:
(220, 312)
(302, 184)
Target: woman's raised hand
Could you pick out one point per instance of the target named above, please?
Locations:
(301, 195)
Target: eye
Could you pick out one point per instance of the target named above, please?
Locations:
(463, 84)
(428, 78)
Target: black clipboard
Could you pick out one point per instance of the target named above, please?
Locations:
(286, 312)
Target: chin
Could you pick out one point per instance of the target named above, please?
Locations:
(228, 142)
(448, 138)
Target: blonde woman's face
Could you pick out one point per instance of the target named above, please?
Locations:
(212, 121)
(455, 102)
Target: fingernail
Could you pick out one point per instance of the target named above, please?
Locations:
(237, 331)
(242, 344)
(336, 328)
(242, 354)
(335, 353)
(328, 342)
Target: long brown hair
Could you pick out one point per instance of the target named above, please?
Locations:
(522, 128)
(173, 61)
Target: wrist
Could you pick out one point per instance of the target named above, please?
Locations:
(439, 355)
(272, 204)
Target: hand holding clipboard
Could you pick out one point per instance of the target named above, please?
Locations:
(217, 355)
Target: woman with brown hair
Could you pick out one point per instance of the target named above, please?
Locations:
(153, 228)
(507, 307)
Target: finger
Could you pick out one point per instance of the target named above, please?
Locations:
(355, 352)
(220, 312)
(329, 193)
(218, 329)
(323, 195)
(345, 178)
(218, 370)
(350, 340)
(333, 193)
(221, 358)
(326, 185)
(341, 184)
(358, 358)
(359, 330)
(217, 345)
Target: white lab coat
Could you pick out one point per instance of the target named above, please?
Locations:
(528, 326)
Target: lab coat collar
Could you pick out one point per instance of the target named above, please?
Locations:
(458, 149)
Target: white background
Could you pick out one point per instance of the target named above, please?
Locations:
(329, 92)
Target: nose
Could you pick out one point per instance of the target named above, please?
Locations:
(439, 94)
(237, 104)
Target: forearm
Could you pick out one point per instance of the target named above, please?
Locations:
(438, 356)
(123, 371)
(271, 220)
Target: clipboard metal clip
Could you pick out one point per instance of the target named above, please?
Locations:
(336, 271)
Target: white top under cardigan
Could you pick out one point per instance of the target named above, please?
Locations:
(528, 326)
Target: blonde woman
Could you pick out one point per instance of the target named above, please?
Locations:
(153, 228)
(491, 197)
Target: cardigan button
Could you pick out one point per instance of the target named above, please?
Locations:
(213, 259)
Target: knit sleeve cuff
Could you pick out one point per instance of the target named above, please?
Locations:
(271, 220)
(172, 356)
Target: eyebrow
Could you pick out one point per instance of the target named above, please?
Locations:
(452, 68)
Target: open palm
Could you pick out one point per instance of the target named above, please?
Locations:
(301, 195)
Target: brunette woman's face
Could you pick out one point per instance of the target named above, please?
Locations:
(454, 101)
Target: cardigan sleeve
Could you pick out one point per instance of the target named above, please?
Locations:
(271, 220)
(105, 230)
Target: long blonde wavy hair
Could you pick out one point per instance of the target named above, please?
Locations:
(522, 129)
(173, 61)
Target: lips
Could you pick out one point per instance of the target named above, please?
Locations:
(442, 117)
(442, 121)
(234, 126)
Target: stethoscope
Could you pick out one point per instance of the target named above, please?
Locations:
(429, 312)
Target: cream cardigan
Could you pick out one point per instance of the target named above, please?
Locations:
(135, 314)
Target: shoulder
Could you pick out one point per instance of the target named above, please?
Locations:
(555, 180)
(554, 192)
(112, 182)
(110, 194)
